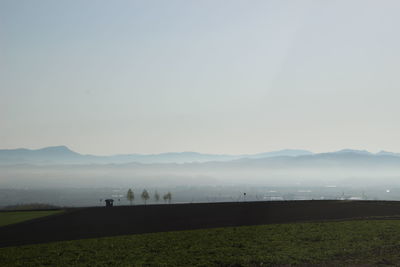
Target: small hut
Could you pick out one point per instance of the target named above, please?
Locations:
(109, 203)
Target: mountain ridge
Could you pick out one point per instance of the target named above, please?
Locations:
(60, 154)
(64, 155)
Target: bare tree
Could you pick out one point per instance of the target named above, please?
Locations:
(168, 197)
(156, 196)
(145, 196)
(130, 196)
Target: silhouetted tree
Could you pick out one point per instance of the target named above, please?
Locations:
(130, 196)
(168, 197)
(145, 196)
(156, 196)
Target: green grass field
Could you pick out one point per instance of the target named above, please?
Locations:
(20, 216)
(352, 243)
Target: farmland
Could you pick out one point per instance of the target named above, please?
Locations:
(96, 222)
(364, 242)
(12, 217)
(330, 233)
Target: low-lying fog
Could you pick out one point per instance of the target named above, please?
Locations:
(85, 185)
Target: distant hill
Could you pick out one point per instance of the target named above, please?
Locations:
(281, 153)
(46, 155)
(386, 153)
(342, 160)
(63, 155)
(61, 167)
(289, 158)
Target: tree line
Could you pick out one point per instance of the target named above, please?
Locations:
(130, 195)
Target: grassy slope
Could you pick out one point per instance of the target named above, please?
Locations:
(20, 216)
(332, 243)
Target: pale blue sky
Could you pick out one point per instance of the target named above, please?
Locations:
(108, 77)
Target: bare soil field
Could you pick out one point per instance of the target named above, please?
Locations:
(95, 222)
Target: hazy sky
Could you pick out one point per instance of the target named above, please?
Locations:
(148, 76)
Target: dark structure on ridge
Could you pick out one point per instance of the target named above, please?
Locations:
(109, 203)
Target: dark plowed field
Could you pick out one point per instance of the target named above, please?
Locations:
(99, 222)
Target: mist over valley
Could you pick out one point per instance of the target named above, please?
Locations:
(60, 176)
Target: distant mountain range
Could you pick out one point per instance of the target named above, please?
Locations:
(63, 155)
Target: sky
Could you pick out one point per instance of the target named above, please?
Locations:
(113, 77)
